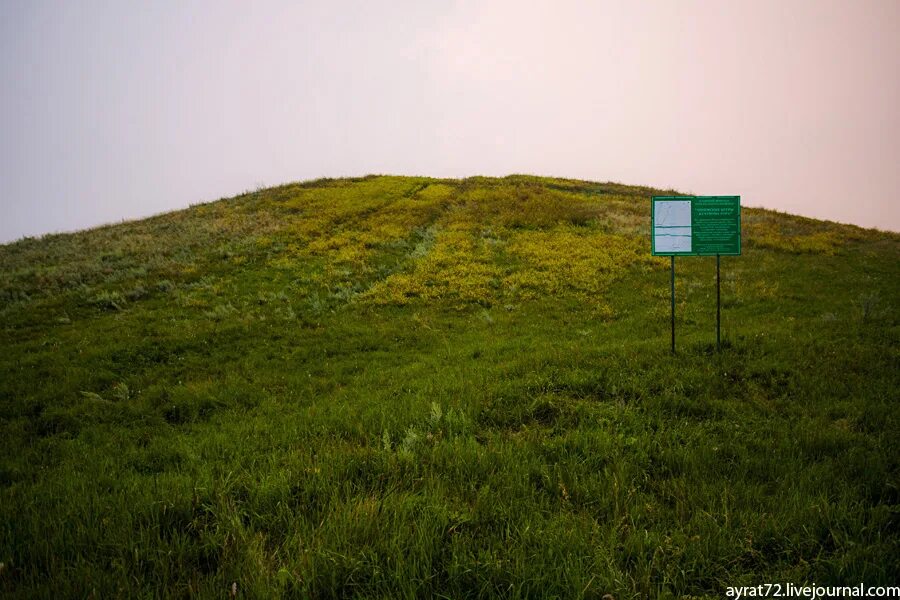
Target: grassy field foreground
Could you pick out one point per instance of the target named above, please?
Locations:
(410, 387)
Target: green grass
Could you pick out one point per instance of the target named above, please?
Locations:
(409, 387)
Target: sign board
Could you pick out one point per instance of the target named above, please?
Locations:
(695, 225)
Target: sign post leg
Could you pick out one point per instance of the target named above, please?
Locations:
(672, 289)
(718, 308)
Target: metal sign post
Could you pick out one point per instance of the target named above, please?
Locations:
(718, 306)
(672, 285)
(696, 226)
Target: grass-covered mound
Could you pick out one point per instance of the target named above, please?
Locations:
(409, 387)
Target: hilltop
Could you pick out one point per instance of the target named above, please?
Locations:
(405, 386)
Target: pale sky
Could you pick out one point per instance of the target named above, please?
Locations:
(117, 110)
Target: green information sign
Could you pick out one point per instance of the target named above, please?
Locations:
(695, 225)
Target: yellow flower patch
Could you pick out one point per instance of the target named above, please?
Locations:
(564, 260)
(476, 266)
(458, 267)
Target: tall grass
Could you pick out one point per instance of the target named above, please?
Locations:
(409, 387)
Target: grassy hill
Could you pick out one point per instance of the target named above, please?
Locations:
(411, 387)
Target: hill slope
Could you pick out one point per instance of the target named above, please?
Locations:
(406, 386)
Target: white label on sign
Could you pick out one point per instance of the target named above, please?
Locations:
(672, 225)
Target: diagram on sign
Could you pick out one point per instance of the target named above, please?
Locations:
(672, 225)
